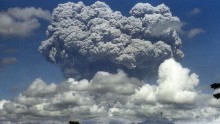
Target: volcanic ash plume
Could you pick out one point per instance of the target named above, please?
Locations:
(83, 40)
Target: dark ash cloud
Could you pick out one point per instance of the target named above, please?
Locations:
(85, 39)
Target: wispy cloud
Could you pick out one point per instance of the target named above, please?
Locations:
(21, 22)
(7, 61)
(195, 11)
(194, 32)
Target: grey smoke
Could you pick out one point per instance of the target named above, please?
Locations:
(85, 39)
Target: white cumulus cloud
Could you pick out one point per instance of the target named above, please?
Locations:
(21, 22)
(113, 96)
(175, 83)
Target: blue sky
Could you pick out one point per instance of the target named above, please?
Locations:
(200, 43)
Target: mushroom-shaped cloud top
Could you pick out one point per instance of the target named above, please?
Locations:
(86, 39)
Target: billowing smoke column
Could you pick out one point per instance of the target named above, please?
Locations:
(86, 39)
